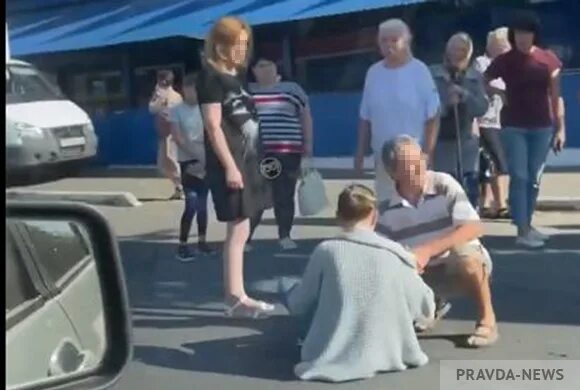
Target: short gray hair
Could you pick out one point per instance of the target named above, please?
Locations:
(396, 25)
(391, 150)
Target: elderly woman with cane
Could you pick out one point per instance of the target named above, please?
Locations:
(463, 98)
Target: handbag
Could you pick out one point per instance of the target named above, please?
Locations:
(311, 193)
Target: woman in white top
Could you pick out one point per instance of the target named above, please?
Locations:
(489, 127)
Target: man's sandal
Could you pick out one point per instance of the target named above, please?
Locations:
(484, 336)
(241, 309)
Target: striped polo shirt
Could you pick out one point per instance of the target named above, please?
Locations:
(443, 207)
(279, 107)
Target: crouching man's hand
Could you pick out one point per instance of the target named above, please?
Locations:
(423, 254)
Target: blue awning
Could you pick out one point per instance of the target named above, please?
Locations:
(84, 25)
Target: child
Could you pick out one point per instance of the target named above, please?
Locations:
(187, 131)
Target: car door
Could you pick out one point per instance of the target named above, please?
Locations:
(36, 325)
(65, 260)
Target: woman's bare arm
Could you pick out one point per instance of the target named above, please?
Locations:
(306, 121)
(212, 120)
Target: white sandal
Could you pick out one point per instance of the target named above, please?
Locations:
(241, 309)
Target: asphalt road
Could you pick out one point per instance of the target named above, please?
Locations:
(182, 341)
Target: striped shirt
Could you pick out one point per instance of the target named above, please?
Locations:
(443, 207)
(279, 107)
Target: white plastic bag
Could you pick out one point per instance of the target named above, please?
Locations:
(311, 193)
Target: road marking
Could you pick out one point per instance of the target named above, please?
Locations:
(101, 198)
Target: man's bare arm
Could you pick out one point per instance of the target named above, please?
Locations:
(431, 133)
(363, 139)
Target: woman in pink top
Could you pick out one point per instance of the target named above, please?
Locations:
(531, 119)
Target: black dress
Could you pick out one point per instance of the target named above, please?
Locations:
(240, 125)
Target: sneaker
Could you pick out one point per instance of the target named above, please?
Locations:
(177, 195)
(205, 249)
(529, 241)
(185, 254)
(287, 244)
(248, 247)
(538, 235)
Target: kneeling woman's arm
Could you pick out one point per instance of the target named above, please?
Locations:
(303, 296)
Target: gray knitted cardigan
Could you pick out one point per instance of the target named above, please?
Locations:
(365, 294)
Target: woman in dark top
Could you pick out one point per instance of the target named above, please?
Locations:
(232, 153)
(531, 118)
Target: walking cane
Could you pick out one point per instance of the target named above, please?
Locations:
(459, 154)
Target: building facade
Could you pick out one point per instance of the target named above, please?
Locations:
(112, 78)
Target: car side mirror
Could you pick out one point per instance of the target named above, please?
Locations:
(67, 313)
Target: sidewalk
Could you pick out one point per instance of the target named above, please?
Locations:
(558, 191)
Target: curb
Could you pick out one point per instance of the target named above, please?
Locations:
(114, 199)
(558, 203)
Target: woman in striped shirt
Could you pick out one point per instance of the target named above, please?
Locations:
(286, 135)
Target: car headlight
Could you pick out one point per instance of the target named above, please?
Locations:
(88, 128)
(27, 130)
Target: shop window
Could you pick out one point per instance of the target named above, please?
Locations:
(100, 93)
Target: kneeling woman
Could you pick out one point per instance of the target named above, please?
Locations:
(360, 294)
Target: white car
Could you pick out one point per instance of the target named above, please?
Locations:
(45, 132)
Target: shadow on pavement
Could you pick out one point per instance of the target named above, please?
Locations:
(458, 340)
(532, 286)
(156, 280)
(266, 355)
(528, 287)
(567, 227)
(300, 221)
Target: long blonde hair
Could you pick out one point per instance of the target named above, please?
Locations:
(222, 37)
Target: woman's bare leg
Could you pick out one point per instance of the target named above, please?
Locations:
(236, 236)
(499, 186)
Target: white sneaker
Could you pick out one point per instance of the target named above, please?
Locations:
(287, 244)
(538, 235)
(529, 241)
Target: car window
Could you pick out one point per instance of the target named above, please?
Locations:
(27, 84)
(19, 286)
(59, 247)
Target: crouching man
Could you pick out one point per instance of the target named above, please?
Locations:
(431, 215)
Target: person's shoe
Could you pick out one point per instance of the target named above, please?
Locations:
(442, 307)
(245, 307)
(177, 195)
(205, 249)
(538, 235)
(185, 254)
(529, 241)
(287, 244)
(248, 247)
